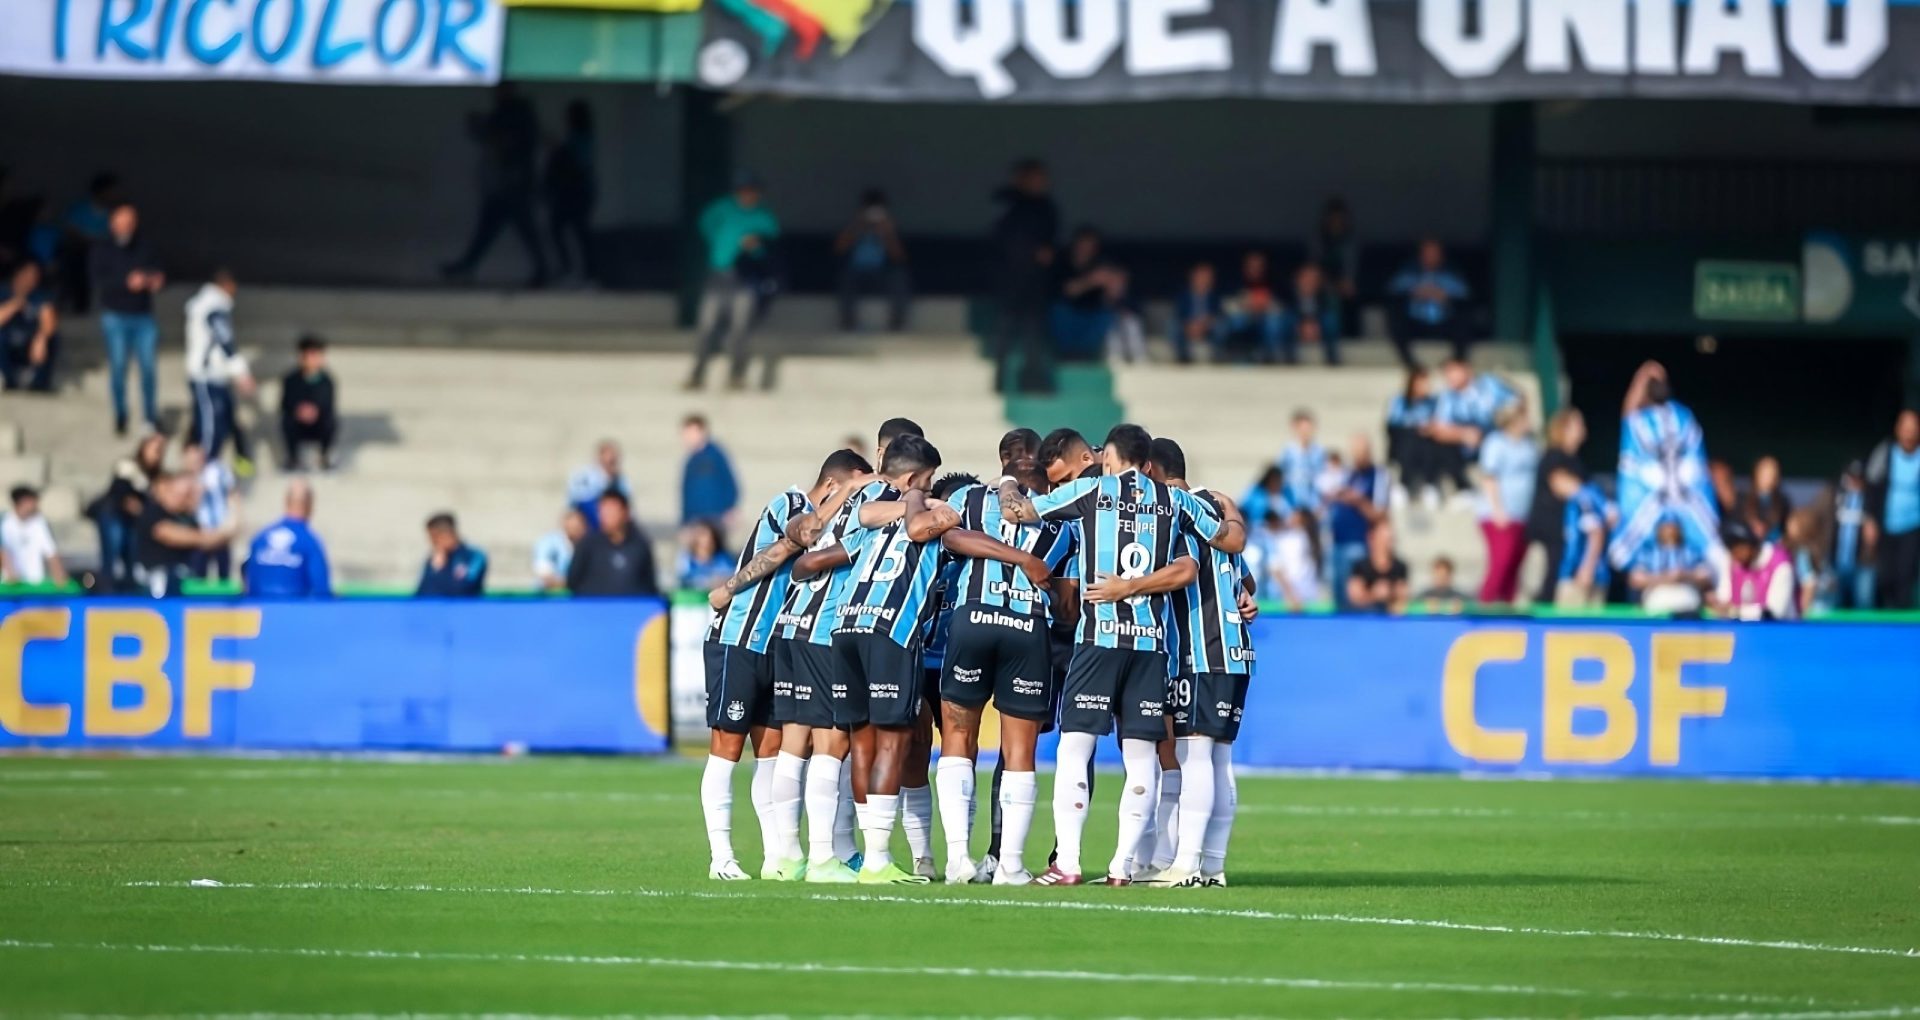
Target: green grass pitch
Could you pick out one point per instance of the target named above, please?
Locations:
(577, 887)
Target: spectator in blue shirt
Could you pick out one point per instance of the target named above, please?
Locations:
(286, 559)
(1464, 414)
(873, 261)
(1669, 576)
(708, 490)
(702, 563)
(453, 569)
(1302, 461)
(553, 551)
(1893, 484)
(589, 482)
(1312, 316)
(1854, 532)
(1355, 507)
(1409, 446)
(1428, 303)
(1197, 318)
(1587, 521)
(1268, 496)
(1508, 460)
(738, 231)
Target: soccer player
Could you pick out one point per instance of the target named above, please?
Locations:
(1211, 655)
(999, 649)
(933, 654)
(1066, 455)
(748, 690)
(1130, 556)
(876, 644)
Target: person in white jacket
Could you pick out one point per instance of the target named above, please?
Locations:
(216, 370)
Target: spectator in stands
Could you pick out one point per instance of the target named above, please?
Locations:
(1429, 301)
(27, 552)
(1670, 574)
(1378, 583)
(872, 261)
(1023, 238)
(1855, 533)
(708, 489)
(1302, 460)
(738, 231)
(308, 413)
(1893, 487)
(1579, 573)
(126, 278)
(617, 559)
(1758, 583)
(553, 551)
(1356, 506)
(1127, 336)
(453, 569)
(1336, 250)
(1268, 496)
(216, 507)
(216, 370)
(571, 188)
(1726, 495)
(1809, 542)
(1083, 295)
(1296, 557)
(587, 484)
(1508, 459)
(1440, 597)
(83, 226)
(29, 330)
(167, 536)
(1311, 316)
(286, 559)
(1410, 445)
(1663, 469)
(1198, 322)
(116, 512)
(508, 136)
(1766, 508)
(703, 562)
(1463, 416)
(1255, 319)
(1547, 518)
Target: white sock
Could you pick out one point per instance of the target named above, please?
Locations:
(716, 800)
(789, 778)
(953, 777)
(843, 818)
(1137, 797)
(763, 808)
(916, 816)
(1018, 791)
(1166, 819)
(876, 825)
(823, 807)
(1196, 802)
(1070, 797)
(1213, 853)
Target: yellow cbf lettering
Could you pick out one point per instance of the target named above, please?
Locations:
(1563, 696)
(18, 716)
(1671, 701)
(202, 674)
(144, 669)
(1458, 680)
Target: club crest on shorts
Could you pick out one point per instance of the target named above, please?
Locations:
(736, 711)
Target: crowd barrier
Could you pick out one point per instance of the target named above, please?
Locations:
(343, 675)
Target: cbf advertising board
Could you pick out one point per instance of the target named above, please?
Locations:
(586, 675)
(374, 42)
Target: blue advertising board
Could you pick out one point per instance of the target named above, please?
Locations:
(347, 675)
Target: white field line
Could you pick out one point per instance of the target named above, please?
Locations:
(873, 970)
(1397, 811)
(1888, 1013)
(1083, 905)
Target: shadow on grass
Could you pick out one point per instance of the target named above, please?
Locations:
(1412, 880)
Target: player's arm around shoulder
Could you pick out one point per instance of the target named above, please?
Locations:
(928, 522)
(1225, 529)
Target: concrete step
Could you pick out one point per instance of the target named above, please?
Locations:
(23, 469)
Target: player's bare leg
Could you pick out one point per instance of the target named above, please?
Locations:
(959, 749)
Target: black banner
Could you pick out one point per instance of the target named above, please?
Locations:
(1053, 51)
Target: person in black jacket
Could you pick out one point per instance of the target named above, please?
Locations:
(1023, 237)
(125, 279)
(307, 405)
(617, 559)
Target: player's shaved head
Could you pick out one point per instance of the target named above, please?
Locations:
(909, 454)
(1129, 446)
(894, 428)
(1019, 444)
(1060, 445)
(1168, 459)
(948, 484)
(843, 464)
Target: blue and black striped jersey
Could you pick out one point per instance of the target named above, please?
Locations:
(813, 605)
(1205, 633)
(933, 648)
(892, 588)
(993, 583)
(1130, 526)
(748, 621)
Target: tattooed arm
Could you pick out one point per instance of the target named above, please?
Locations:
(764, 563)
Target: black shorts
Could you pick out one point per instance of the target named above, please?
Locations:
(1208, 705)
(991, 655)
(875, 681)
(930, 690)
(812, 667)
(780, 660)
(739, 688)
(1108, 683)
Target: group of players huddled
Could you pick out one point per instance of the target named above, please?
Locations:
(1083, 588)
